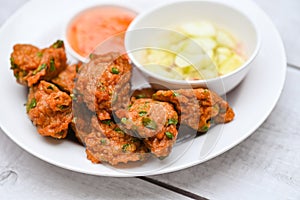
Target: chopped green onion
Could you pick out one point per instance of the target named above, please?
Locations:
(91, 56)
(175, 94)
(13, 64)
(107, 122)
(148, 123)
(115, 70)
(172, 121)
(39, 54)
(40, 68)
(103, 141)
(117, 129)
(124, 147)
(17, 75)
(58, 44)
(50, 87)
(24, 73)
(77, 68)
(62, 107)
(204, 128)
(31, 105)
(139, 96)
(169, 135)
(142, 113)
(52, 65)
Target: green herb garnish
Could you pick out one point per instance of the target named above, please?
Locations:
(107, 122)
(204, 128)
(142, 113)
(172, 121)
(52, 65)
(139, 96)
(169, 135)
(31, 105)
(39, 54)
(117, 129)
(50, 87)
(13, 64)
(17, 75)
(103, 141)
(58, 44)
(40, 68)
(175, 94)
(148, 123)
(115, 70)
(124, 147)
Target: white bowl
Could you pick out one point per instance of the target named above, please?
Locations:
(143, 28)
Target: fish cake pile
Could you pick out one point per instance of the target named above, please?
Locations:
(50, 79)
(94, 100)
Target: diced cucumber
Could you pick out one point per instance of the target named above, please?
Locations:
(206, 43)
(230, 64)
(224, 39)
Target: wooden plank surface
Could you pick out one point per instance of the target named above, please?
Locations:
(265, 166)
(286, 16)
(23, 176)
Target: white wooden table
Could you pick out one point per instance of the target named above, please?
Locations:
(265, 166)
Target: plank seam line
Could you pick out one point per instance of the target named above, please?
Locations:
(293, 65)
(172, 188)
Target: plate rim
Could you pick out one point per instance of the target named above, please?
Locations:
(183, 166)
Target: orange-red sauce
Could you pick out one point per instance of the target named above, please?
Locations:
(94, 25)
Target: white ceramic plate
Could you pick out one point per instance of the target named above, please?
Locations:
(42, 22)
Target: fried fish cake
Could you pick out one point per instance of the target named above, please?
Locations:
(65, 79)
(108, 143)
(198, 108)
(104, 84)
(49, 109)
(31, 64)
(154, 121)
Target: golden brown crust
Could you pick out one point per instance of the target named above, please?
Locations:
(197, 107)
(31, 64)
(154, 121)
(108, 143)
(104, 83)
(65, 79)
(49, 109)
